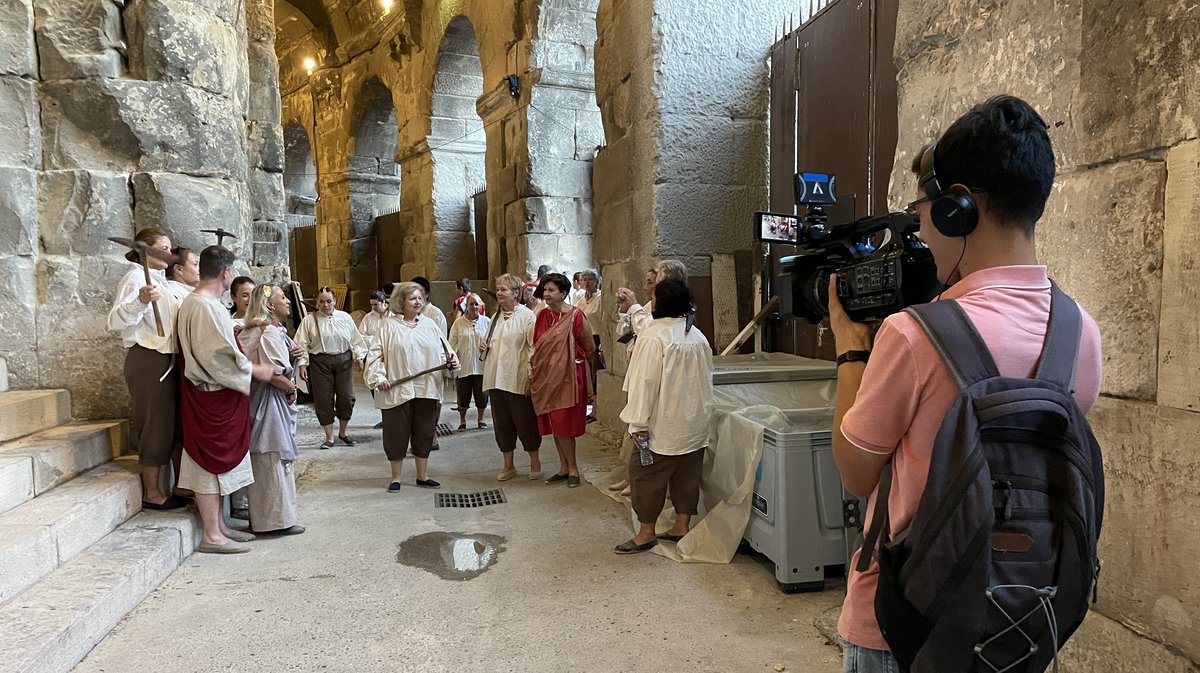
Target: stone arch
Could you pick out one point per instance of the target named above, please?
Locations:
(373, 187)
(458, 146)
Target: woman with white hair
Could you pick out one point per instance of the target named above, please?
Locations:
(404, 367)
(466, 334)
(632, 317)
(273, 508)
(505, 356)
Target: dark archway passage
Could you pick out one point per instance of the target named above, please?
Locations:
(458, 144)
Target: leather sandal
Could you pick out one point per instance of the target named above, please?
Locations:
(631, 547)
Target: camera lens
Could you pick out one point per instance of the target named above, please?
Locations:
(814, 291)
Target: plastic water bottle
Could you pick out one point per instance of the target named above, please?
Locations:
(644, 453)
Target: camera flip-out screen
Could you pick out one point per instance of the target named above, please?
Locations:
(777, 228)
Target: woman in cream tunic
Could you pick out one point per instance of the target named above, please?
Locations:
(406, 345)
(466, 334)
(150, 367)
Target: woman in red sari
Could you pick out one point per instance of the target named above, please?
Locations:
(560, 383)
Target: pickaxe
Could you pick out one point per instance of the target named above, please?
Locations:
(142, 250)
(491, 328)
(445, 365)
(221, 235)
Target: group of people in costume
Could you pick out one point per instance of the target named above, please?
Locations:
(213, 394)
(214, 403)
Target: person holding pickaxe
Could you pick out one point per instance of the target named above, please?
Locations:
(143, 313)
(404, 367)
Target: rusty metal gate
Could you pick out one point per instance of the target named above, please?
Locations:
(833, 110)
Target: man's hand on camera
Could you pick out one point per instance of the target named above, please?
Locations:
(847, 334)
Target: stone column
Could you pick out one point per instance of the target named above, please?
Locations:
(540, 186)
(505, 125)
(416, 210)
(267, 249)
(374, 186)
(330, 143)
(564, 134)
(20, 159)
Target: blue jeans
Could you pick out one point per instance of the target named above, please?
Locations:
(857, 659)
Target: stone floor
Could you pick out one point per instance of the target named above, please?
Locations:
(556, 599)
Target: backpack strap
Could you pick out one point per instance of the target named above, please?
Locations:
(878, 533)
(1060, 353)
(956, 339)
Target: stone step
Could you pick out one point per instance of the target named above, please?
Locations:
(36, 464)
(24, 412)
(51, 529)
(53, 625)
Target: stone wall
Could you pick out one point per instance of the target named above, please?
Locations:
(1119, 235)
(116, 116)
(683, 91)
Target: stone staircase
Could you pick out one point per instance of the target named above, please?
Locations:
(76, 551)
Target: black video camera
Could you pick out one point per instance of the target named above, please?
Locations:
(872, 283)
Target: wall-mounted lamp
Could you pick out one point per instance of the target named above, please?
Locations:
(310, 64)
(387, 5)
(514, 86)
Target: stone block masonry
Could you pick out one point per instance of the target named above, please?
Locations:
(116, 116)
(1119, 234)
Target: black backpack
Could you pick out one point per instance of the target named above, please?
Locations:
(995, 571)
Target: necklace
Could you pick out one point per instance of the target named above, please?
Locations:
(410, 325)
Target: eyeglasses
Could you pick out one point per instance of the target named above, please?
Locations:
(911, 209)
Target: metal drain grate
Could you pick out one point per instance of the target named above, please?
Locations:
(463, 500)
(444, 430)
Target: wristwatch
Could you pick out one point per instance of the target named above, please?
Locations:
(853, 356)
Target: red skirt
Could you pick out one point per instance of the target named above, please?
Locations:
(572, 421)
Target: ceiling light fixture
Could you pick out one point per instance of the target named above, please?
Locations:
(310, 65)
(387, 6)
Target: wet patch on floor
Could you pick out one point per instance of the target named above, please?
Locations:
(451, 556)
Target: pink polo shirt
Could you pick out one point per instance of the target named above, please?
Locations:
(907, 389)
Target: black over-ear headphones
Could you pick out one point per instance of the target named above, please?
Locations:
(953, 211)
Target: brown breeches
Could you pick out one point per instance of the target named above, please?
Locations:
(153, 425)
(466, 386)
(331, 382)
(512, 418)
(414, 421)
(648, 484)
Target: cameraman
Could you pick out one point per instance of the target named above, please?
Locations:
(997, 155)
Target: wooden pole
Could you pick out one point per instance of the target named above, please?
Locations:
(752, 326)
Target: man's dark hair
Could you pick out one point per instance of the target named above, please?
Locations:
(214, 260)
(463, 284)
(672, 299)
(544, 270)
(238, 282)
(1000, 148)
(379, 296)
(560, 281)
(424, 283)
